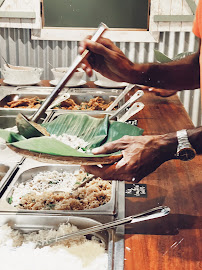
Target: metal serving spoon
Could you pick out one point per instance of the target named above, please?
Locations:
(25, 125)
(153, 213)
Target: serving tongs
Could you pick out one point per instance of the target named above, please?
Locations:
(153, 213)
(25, 125)
(122, 95)
(127, 104)
(135, 108)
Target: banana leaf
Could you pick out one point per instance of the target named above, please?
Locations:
(161, 57)
(95, 131)
(182, 55)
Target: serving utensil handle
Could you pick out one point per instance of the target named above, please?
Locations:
(135, 97)
(156, 212)
(122, 95)
(101, 29)
(136, 107)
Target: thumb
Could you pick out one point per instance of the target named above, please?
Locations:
(107, 148)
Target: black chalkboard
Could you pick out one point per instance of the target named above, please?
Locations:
(89, 13)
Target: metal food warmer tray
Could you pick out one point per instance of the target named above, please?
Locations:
(7, 169)
(78, 97)
(27, 223)
(29, 168)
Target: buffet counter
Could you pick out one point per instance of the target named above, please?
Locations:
(173, 242)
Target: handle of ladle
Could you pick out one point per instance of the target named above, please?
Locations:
(101, 29)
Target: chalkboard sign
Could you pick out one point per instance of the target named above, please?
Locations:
(89, 13)
(136, 190)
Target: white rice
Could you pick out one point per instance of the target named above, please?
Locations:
(71, 140)
(17, 251)
(48, 181)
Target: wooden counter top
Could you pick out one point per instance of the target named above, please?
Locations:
(173, 242)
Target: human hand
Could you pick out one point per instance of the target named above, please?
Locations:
(158, 91)
(141, 156)
(107, 59)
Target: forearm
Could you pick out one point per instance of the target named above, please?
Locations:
(195, 138)
(177, 75)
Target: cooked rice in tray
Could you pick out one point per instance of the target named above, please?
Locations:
(46, 193)
(18, 251)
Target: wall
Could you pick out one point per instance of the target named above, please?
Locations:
(17, 48)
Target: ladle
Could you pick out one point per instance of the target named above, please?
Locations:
(25, 125)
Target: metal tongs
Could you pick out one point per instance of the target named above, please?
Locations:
(153, 213)
(25, 127)
(122, 95)
(135, 97)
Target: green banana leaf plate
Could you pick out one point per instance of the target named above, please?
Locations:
(95, 131)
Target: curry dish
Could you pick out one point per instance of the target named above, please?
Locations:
(96, 103)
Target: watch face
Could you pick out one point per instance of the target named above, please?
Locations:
(186, 154)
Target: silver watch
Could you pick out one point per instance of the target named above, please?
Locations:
(185, 151)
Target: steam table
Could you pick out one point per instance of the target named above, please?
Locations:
(173, 242)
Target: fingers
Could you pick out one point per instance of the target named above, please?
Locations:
(98, 48)
(161, 92)
(103, 46)
(106, 172)
(107, 148)
(88, 44)
(87, 68)
(110, 172)
(83, 45)
(114, 146)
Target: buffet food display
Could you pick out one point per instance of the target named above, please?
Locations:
(21, 238)
(96, 103)
(48, 197)
(53, 190)
(76, 101)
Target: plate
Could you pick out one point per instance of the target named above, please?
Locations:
(106, 85)
(82, 82)
(53, 159)
(21, 84)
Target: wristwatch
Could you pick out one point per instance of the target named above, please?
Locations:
(185, 151)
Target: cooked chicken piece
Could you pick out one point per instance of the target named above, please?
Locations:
(96, 103)
(29, 103)
(68, 102)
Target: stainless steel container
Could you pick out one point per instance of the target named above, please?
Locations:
(29, 223)
(30, 168)
(78, 96)
(16, 96)
(6, 171)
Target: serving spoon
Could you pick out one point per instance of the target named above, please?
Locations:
(26, 126)
(153, 213)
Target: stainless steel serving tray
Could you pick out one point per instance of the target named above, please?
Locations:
(15, 97)
(6, 171)
(29, 223)
(44, 89)
(8, 117)
(78, 97)
(30, 168)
